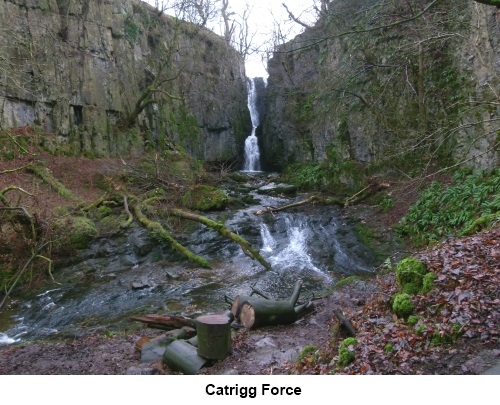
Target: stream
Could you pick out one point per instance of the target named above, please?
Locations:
(131, 274)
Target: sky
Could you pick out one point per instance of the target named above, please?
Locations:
(261, 18)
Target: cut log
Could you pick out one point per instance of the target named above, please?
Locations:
(181, 356)
(254, 312)
(345, 324)
(257, 312)
(165, 322)
(214, 336)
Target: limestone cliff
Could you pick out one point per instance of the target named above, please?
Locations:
(426, 84)
(77, 68)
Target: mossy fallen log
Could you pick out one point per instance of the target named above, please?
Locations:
(246, 246)
(159, 232)
(373, 188)
(45, 174)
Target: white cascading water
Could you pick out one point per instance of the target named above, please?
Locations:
(268, 242)
(252, 154)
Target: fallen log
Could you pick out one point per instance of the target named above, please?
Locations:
(246, 246)
(165, 322)
(254, 312)
(358, 197)
(182, 356)
(159, 232)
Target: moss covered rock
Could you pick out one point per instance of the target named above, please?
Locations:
(347, 351)
(205, 198)
(402, 305)
(410, 271)
(75, 232)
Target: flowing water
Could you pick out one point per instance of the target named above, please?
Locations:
(252, 153)
(131, 274)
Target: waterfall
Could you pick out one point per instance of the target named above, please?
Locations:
(252, 154)
(268, 242)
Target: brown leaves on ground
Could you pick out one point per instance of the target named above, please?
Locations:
(457, 319)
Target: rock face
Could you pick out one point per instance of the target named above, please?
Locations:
(77, 68)
(345, 90)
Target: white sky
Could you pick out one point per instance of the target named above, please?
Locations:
(263, 13)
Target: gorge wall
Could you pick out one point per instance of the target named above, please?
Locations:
(77, 68)
(426, 85)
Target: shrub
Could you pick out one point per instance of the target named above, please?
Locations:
(402, 305)
(346, 351)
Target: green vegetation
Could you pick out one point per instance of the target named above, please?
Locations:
(412, 320)
(346, 280)
(205, 198)
(306, 352)
(428, 282)
(471, 202)
(340, 177)
(410, 271)
(74, 232)
(347, 352)
(389, 348)
(441, 337)
(402, 305)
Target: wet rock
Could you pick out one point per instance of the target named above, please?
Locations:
(277, 188)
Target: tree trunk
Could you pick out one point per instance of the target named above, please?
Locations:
(214, 336)
(165, 322)
(257, 312)
(158, 231)
(254, 312)
(345, 323)
(181, 356)
(247, 248)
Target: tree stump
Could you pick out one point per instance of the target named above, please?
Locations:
(214, 336)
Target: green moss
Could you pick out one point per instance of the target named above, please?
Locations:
(483, 222)
(104, 211)
(307, 352)
(410, 271)
(402, 305)
(440, 337)
(411, 288)
(412, 320)
(428, 282)
(346, 281)
(205, 198)
(347, 352)
(75, 232)
(389, 348)
(420, 329)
